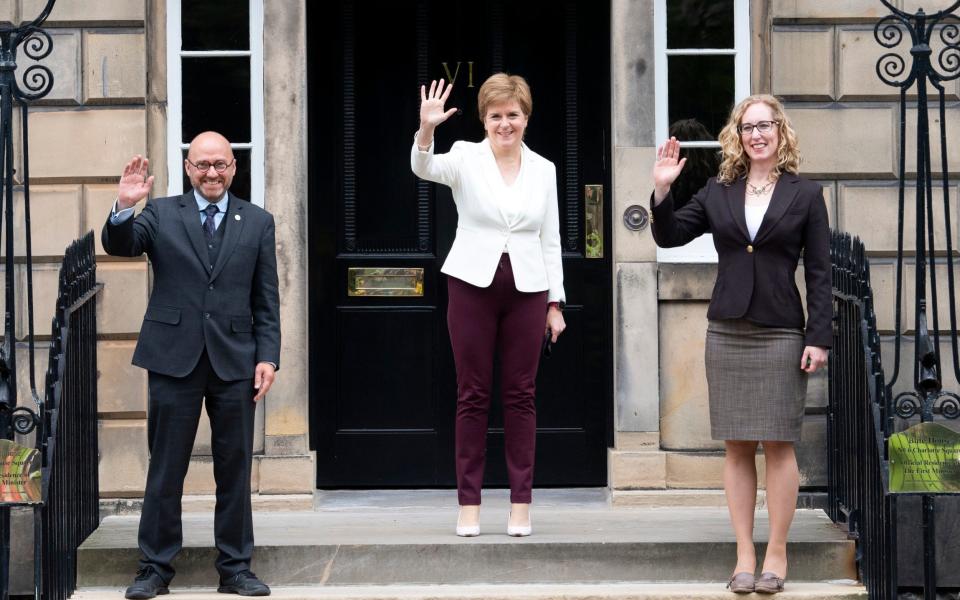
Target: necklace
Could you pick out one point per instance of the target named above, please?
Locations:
(758, 191)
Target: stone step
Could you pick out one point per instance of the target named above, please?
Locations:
(660, 469)
(206, 503)
(382, 538)
(675, 498)
(608, 591)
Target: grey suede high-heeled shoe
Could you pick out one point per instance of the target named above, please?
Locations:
(768, 583)
(741, 583)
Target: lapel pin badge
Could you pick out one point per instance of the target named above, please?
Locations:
(237, 217)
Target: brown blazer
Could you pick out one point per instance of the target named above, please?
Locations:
(755, 279)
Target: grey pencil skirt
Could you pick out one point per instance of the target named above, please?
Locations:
(757, 389)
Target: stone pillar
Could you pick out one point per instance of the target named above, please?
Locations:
(635, 462)
(287, 466)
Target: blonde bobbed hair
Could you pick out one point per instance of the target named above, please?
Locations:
(501, 87)
(735, 163)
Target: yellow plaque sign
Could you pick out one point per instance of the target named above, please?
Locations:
(19, 474)
(925, 458)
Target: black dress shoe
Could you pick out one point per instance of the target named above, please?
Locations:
(147, 584)
(244, 583)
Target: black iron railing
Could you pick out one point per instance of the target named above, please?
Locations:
(65, 427)
(70, 451)
(856, 469)
(864, 409)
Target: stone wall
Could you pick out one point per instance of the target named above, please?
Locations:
(80, 135)
(108, 103)
(823, 63)
(820, 58)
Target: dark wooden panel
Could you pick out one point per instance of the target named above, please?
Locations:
(385, 368)
(379, 460)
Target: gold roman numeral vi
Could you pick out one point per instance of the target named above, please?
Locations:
(452, 77)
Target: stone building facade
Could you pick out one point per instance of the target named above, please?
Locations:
(112, 100)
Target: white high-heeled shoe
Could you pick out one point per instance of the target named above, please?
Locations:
(519, 530)
(467, 530)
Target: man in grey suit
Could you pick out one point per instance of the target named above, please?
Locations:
(211, 334)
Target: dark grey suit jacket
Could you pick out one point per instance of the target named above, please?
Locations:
(232, 310)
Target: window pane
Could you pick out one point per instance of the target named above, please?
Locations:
(699, 24)
(700, 88)
(702, 164)
(215, 25)
(216, 96)
(241, 181)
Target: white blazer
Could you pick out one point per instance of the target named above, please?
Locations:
(487, 227)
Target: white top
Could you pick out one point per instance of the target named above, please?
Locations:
(754, 216)
(493, 217)
(512, 200)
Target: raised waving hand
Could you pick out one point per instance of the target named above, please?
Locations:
(667, 168)
(135, 184)
(431, 110)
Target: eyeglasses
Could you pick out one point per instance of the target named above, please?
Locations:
(761, 126)
(220, 166)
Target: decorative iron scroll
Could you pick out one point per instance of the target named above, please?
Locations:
(926, 69)
(19, 466)
(922, 74)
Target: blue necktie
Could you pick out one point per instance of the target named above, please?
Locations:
(210, 222)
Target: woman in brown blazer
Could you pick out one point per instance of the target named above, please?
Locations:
(759, 351)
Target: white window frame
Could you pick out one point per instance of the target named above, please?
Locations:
(700, 250)
(176, 145)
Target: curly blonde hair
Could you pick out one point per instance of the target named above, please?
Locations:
(735, 163)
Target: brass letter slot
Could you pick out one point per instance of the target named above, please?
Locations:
(593, 211)
(384, 282)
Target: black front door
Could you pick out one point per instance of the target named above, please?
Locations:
(382, 379)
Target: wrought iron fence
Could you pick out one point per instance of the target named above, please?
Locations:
(857, 419)
(65, 426)
(70, 452)
(863, 406)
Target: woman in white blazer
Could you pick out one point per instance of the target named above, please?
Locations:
(505, 281)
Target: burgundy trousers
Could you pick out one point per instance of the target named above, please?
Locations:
(482, 321)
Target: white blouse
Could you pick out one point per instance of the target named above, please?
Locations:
(754, 215)
(511, 200)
